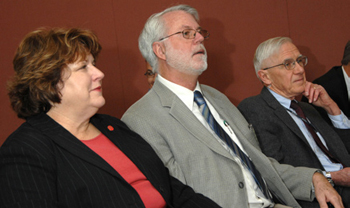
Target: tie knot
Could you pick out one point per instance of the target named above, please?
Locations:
(198, 98)
(294, 105)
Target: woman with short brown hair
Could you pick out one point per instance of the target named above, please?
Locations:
(67, 155)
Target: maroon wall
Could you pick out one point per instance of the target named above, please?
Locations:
(320, 29)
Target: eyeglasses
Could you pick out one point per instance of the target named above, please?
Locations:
(190, 34)
(289, 64)
(149, 73)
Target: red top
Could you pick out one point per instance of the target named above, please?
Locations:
(127, 169)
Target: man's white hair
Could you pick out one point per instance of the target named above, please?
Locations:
(266, 49)
(154, 29)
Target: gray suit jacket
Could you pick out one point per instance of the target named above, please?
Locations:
(194, 156)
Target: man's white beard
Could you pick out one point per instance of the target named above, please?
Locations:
(185, 62)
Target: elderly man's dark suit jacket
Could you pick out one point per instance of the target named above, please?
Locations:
(53, 168)
(281, 138)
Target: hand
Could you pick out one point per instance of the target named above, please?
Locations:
(325, 192)
(318, 96)
(341, 177)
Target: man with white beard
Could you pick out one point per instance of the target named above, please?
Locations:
(214, 151)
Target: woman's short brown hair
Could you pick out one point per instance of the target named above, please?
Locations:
(39, 62)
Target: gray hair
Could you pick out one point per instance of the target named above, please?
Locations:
(154, 29)
(266, 49)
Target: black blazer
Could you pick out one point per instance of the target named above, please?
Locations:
(43, 165)
(334, 83)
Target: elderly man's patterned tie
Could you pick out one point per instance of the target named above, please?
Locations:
(198, 98)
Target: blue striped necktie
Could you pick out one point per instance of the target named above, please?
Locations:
(198, 98)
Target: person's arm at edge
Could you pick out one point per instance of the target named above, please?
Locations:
(324, 192)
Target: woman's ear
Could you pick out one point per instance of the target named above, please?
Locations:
(159, 50)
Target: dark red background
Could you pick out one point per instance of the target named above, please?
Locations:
(320, 29)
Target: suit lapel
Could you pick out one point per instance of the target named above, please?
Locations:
(179, 111)
(70, 143)
(237, 122)
(282, 114)
(247, 138)
(343, 90)
(334, 145)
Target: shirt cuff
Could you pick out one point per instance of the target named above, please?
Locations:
(340, 121)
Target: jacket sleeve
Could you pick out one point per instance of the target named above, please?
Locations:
(270, 142)
(181, 195)
(185, 197)
(157, 141)
(27, 178)
(297, 179)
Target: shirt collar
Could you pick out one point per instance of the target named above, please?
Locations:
(185, 95)
(285, 102)
(345, 74)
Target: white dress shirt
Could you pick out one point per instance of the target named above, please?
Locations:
(347, 81)
(256, 198)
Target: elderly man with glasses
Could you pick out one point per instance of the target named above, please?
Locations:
(199, 134)
(294, 132)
